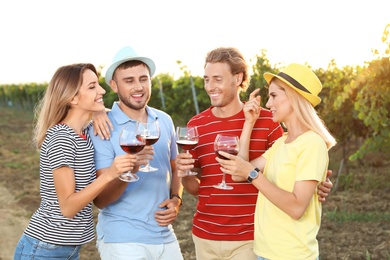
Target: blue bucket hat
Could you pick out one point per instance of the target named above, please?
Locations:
(126, 54)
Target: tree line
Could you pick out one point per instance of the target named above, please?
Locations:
(355, 99)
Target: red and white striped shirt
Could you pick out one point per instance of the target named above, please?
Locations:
(227, 214)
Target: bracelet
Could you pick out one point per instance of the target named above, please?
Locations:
(177, 196)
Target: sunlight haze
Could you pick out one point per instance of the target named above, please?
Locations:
(39, 36)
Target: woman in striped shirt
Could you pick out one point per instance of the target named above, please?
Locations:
(68, 184)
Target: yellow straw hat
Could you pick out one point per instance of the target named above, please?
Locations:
(301, 79)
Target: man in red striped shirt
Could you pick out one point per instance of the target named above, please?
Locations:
(223, 223)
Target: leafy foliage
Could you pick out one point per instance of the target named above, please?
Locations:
(373, 106)
(261, 66)
(337, 106)
(373, 101)
(21, 96)
(355, 107)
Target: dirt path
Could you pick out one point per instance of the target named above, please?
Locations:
(13, 221)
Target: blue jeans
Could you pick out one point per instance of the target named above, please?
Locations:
(31, 248)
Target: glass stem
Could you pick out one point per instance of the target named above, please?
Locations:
(187, 171)
(223, 178)
(145, 134)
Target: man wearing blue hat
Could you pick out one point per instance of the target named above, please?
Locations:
(135, 218)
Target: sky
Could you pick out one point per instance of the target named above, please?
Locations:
(39, 36)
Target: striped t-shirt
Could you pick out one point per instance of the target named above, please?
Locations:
(227, 214)
(63, 147)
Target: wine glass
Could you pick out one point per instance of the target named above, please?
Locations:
(187, 138)
(228, 144)
(131, 141)
(151, 134)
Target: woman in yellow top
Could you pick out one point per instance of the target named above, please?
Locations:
(288, 213)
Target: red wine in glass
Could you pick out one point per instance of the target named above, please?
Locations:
(151, 134)
(187, 138)
(186, 144)
(132, 148)
(150, 139)
(131, 141)
(226, 143)
(231, 151)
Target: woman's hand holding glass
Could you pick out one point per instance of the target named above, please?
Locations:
(123, 163)
(131, 141)
(234, 165)
(228, 144)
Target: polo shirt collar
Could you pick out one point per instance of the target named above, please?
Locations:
(121, 118)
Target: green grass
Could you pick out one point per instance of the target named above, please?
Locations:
(344, 216)
(15, 165)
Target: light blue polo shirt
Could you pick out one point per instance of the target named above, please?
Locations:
(131, 217)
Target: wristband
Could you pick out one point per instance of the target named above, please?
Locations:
(177, 196)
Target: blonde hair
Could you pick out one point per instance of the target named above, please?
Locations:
(54, 105)
(307, 115)
(234, 58)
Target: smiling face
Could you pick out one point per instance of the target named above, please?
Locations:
(278, 102)
(133, 86)
(90, 94)
(220, 84)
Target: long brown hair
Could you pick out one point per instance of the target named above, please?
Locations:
(54, 105)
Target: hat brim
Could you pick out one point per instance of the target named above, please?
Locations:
(314, 100)
(110, 70)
